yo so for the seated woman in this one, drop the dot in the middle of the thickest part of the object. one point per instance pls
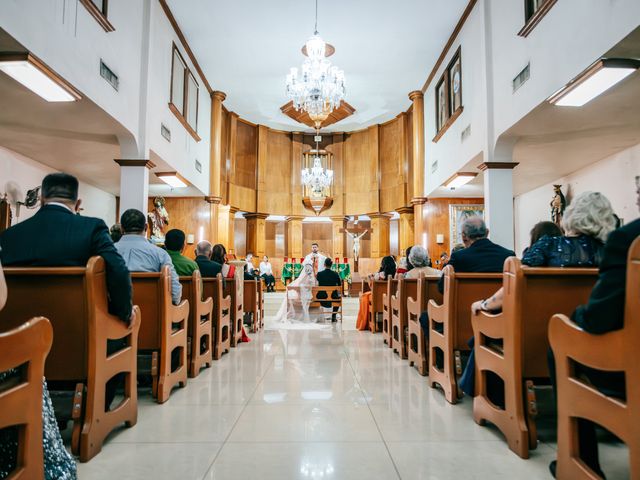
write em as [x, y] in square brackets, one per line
[421, 262]
[219, 255]
[404, 265]
[588, 221]
[58, 463]
[266, 272]
[387, 270]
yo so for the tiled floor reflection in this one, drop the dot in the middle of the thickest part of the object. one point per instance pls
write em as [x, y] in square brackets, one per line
[321, 404]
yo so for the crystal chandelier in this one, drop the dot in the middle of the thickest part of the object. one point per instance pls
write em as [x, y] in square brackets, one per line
[320, 87]
[317, 179]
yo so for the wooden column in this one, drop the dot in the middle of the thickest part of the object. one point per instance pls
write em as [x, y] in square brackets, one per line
[380, 243]
[406, 236]
[226, 224]
[418, 199]
[294, 236]
[212, 233]
[256, 234]
[338, 224]
[216, 162]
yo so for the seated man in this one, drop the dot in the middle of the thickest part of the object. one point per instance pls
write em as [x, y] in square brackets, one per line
[174, 242]
[208, 268]
[603, 313]
[328, 278]
[142, 256]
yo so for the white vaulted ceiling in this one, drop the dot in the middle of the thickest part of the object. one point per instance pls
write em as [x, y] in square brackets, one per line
[386, 49]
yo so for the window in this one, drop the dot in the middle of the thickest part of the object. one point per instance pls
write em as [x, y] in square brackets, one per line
[98, 10]
[184, 94]
[534, 11]
[449, 96]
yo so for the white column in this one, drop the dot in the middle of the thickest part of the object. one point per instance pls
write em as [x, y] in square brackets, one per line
[498, 201]
[134, 184]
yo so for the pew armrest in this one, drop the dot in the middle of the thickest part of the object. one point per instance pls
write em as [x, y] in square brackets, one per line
[117, 329]
[180, 312]
[208, 304]
[602, 352]
[488, 325]
[436, 312]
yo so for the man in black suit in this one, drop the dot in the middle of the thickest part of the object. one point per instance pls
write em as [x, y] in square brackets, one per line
[57, 237]
[208, 268]
[329, 278]
[604, 312]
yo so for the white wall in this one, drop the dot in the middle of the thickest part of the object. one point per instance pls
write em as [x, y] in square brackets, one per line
[614, 177]
[26, 174]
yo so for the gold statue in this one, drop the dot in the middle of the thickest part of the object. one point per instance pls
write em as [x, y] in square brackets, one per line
[158, 218]
[558, 204]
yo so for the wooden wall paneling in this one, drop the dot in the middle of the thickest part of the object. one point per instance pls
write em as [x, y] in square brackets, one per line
[320, 233]
[242, 198]
[274, 239]
[226, 227]
[224, 167]
[361, 172]
[408, 139]
[246, 155]
[295, 194]
[274, 189]
[393, 164]
[379, 235]
[256, 233]
[294, 236]
[338, 225]
[336, 147]
[232, 144]
[436, 219]
[239, 237]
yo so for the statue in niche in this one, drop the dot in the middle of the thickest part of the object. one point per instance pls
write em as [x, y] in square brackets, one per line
[558, 204]
[158, 218]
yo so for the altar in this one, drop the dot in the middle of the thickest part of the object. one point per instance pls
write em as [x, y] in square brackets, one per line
[291, 269]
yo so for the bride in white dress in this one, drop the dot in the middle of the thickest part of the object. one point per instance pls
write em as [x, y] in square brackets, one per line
[295, 311]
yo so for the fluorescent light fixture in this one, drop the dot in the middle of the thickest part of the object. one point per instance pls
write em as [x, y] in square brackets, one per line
[595, 80]
[37, 77]
[459, 179]
[173, 179]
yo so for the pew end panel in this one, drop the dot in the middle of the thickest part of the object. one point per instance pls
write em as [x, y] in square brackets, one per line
[378, 289]
[387, 337]
[199, 331]
[426, 289]
[25, 348]
[399, 327]
[234, 288]
[251, 302]
[213, 287]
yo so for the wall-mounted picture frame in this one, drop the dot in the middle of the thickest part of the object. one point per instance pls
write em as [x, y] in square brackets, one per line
[458, 213]
[442, 110]
[449, 95]
[455, 83]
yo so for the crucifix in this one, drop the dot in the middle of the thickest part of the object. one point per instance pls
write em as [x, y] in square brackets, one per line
[356, 233]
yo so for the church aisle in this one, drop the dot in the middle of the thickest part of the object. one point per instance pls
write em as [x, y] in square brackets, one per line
[316, 404]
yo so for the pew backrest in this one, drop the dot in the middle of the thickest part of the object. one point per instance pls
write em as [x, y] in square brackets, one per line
[152, 293]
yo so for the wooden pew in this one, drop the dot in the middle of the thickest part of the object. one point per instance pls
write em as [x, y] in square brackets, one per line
[392, 286]
[251, 302]
[162, 330]
[318, 298]
[261, 304]
[531, 296]
[417, 353]
[234, 288]
[21, 398]
[615, 351]
[74, 299]
[199, 329]
[450, 324]
[378, 289]
[399, 331]
[213, 287]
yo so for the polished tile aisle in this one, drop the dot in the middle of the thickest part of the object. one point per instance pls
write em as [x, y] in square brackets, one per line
[332, 404]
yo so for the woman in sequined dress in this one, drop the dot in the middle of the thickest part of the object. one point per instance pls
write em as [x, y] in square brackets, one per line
[58, 463]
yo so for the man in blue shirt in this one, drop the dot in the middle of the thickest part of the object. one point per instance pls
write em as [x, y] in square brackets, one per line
[142, 256]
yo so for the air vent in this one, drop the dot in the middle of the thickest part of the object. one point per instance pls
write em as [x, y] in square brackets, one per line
[165, 132]
[434, 166]
[198, 166]
[521, 78]
[108, 75]
[465, 133]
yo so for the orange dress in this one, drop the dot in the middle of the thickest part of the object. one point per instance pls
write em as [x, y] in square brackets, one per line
[362, 322]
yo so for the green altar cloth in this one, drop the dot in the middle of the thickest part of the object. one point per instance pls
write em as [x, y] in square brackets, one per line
[291, 271]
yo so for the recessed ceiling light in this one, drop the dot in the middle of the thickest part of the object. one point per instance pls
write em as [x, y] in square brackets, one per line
[595, 80]
[459, 179]
[173, 179]
[37, 77]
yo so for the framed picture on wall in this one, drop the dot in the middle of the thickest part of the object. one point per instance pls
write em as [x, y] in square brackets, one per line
[455, 83]
[442, 112]
[457, 215]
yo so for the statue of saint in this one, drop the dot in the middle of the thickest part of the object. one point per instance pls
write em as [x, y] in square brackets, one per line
[558, 204]
[158, 218]
[356, 243]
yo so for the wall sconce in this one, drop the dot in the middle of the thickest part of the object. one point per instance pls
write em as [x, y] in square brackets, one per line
[173, 179]
[595, 80]
[439, 238]
[190, 239]
[459, 179]
[37, 77]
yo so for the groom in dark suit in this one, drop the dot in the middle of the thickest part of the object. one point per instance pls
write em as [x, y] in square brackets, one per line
[329, 278]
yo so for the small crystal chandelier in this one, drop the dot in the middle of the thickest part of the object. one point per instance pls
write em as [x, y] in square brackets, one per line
[320, 87]
[317, 180]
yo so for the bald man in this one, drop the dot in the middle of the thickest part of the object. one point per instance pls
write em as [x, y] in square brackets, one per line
[208, 268]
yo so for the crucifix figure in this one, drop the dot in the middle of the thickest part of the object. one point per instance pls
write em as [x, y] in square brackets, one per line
[356, 233]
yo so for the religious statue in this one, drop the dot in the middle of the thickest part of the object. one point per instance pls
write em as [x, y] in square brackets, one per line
[558, 204]
[356, 243]
[158, 219]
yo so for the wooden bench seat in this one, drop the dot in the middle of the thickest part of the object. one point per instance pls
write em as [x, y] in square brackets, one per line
[450, 324]
[378, 288]
[163, 329]
[615, 351]
[74, 299]
[252, 299]
[417, 353]
[199, 331]
[531, 297]
[399, 330]
[25, 347]
[234, 288]
[320, 295]
[392, 287]
[221, 339]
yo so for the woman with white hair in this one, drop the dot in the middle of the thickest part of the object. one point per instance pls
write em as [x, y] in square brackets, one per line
[419, 258]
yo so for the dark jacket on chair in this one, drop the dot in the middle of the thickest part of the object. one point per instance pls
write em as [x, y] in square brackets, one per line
[208, 268]
[482, 256]
[56, 237]
[328, 278]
